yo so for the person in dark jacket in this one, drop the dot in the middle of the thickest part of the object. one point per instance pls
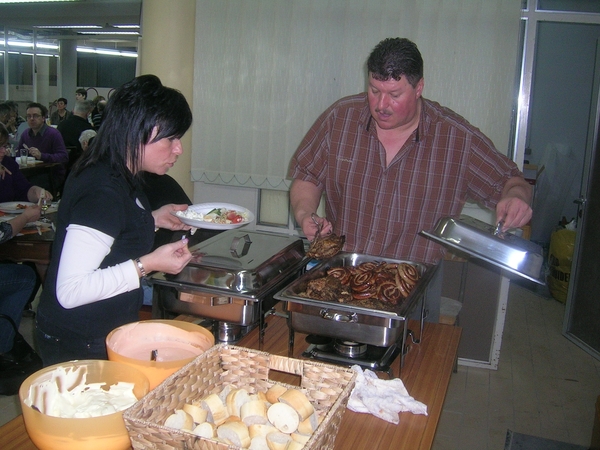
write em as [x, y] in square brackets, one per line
[72, 127]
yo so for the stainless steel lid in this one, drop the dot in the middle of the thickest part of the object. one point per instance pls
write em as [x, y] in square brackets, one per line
[480, 240]
[241, 262]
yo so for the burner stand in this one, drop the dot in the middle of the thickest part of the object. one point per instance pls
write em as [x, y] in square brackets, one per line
[375, 358]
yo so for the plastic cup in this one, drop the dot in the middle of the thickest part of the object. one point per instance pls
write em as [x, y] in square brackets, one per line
[23, 159]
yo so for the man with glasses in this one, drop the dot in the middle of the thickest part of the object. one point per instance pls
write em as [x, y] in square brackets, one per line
[45, 144]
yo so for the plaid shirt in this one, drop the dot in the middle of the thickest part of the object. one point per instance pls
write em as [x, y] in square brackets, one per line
[382, 209]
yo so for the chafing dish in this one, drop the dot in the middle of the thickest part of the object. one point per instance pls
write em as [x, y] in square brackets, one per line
[231, 279]
[483, 241]
[348, 322]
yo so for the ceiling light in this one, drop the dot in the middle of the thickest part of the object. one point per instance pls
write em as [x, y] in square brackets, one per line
[67, 27]
[104, 51]
[20, 44]
[127, 26]
[134, 33]
[35, 1]
[47, 46]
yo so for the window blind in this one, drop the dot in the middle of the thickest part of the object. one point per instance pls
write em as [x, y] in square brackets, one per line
[265, 69]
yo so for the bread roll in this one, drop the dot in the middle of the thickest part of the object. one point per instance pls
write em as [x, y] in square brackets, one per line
[259, 443]
[295, 445]
[278, 440]
[205, 430]
[236, 433]
[274, 392]
[302, 438]
[259, 429]
[225, 392]
[217, 413]
[235, 399]
[283, 417]
[254, 412]
[309, 425]
[198, 414]
[180, 420]
[299, 401]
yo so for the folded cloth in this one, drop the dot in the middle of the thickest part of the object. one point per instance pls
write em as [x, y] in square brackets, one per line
[384, 399]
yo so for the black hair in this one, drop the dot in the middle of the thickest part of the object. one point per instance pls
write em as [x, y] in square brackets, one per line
[394, 57]
[62, 99]
[131, 115]
[3, 132]
[42, 108]
[82, 91]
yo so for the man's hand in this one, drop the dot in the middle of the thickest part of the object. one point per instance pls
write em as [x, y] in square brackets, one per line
[514, 207]
[33, 151]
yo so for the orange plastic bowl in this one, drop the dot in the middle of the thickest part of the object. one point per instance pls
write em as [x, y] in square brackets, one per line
[144, 336]
[94, 433]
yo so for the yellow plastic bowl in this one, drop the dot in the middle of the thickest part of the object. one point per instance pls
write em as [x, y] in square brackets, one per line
[94, 433]
[156, 371]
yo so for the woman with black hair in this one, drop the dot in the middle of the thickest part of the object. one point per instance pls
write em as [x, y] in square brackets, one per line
[105, 227]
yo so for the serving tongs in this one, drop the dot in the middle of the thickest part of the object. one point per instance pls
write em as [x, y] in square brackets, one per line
[319, 225]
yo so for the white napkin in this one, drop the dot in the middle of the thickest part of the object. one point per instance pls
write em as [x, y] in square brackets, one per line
[384, 399]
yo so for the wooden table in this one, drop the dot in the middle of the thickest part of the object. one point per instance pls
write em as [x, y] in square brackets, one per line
[33, 247]
[426, 374]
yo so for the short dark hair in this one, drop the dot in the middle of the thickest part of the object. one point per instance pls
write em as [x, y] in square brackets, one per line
[62, 99]
[131, 115]
[394, 57]
[43, 109]
[3, 132]
[5, 108]
[82, 92]
[13, 105]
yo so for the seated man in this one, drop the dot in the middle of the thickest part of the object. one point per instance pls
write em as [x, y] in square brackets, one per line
[72, 127]
[45, 144]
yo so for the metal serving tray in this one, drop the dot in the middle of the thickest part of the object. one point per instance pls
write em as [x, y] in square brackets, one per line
[290, 293]
[240, 263]
[478, 239]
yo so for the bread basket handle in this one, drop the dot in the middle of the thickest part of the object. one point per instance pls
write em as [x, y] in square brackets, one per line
[287, 365]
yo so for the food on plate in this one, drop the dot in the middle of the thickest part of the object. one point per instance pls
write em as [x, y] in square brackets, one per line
[20, 206]
[323, 247]
[250, 421]
[216, 215]
[371, 284]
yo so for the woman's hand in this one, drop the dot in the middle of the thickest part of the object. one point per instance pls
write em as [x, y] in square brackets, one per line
[164, 219]
[170, 258]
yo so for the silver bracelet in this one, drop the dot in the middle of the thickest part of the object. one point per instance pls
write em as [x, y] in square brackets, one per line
[140, 266]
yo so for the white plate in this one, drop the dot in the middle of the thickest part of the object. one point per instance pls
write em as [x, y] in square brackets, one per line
[204, 208]
[11, 207]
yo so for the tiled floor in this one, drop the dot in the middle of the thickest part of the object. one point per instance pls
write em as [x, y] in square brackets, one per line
[544, 386]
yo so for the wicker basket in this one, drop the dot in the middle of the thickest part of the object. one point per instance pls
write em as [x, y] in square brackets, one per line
[327, 386]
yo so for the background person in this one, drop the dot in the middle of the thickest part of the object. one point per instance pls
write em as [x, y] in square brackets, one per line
[392, 163]
[80, 95]
[72, 128]
[85, 138]
[105, 230]
[46, 144]
[13, 184]
[61, 112]
[17, 282]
